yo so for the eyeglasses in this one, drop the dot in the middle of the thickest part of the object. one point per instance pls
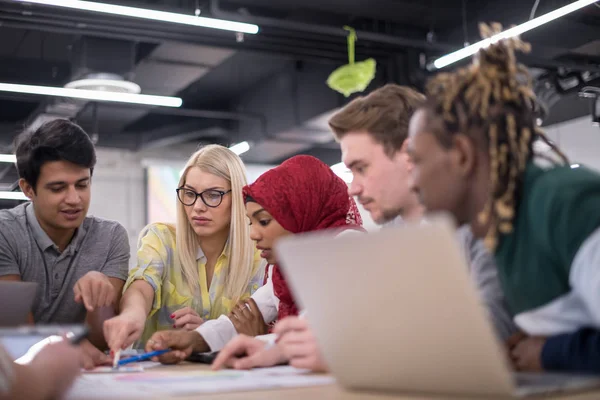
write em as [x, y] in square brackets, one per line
[211, 197]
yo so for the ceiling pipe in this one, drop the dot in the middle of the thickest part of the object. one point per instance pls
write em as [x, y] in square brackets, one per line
[530, 60]
[217, 12]
[284, 25]
[156, 36]
[189, 113]
[533, 62]
[182, 112]
[259, 46]
[334, 47]
[179, 138]
[213, 114]
[325, 33]
[194, 113]
[226, 115]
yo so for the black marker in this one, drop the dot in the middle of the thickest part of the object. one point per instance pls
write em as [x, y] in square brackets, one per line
[76, 338]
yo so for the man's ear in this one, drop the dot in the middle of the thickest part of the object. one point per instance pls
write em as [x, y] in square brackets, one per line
[406, 155]
[404, 147]
[27, 189]
[464, 154]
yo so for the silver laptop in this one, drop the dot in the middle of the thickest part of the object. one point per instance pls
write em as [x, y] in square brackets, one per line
[16, 299]
[396, 311]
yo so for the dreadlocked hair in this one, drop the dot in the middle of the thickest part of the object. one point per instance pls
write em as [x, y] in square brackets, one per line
[492, 99]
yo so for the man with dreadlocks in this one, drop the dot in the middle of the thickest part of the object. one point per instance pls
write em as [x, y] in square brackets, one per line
[472, 146]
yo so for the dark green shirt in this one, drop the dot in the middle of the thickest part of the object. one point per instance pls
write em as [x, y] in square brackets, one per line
[558, 209]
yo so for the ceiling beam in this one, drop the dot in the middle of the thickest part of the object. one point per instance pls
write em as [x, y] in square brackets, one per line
[33, 71]
[328, 155]
[217, 11]
[395, 10]
[188, 132]
[277, 35]
[564, 33]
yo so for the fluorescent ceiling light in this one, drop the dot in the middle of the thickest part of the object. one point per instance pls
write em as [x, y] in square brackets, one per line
[8, 158]
[343, 172]
[515, 31]
[240, 148]
[96, 95]
[155, 15]
[13, 196]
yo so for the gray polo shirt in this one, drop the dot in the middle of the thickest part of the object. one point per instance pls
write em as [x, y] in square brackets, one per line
[26, 250]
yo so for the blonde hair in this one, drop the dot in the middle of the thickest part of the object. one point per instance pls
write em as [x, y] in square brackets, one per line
[224, 163]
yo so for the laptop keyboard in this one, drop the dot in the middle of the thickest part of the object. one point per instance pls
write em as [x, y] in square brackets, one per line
[532, 383]
[527, 379]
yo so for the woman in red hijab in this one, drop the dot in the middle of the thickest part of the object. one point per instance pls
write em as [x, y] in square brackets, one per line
[301, 195]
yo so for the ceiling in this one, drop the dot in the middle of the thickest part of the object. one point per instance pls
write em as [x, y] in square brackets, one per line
[267, 88]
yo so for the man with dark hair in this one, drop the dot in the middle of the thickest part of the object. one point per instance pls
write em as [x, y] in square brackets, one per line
[80, 263]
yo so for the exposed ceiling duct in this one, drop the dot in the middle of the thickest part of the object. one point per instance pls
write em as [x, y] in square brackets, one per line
[268, 89]
[105, 82]
[92, 69]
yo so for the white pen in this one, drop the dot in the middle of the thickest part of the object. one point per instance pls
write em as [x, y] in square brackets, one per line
[117, 359]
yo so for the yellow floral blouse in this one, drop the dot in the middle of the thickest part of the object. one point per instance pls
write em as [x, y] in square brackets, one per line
[157, 265]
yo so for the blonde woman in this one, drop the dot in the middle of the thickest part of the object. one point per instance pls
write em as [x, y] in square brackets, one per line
[198, 269]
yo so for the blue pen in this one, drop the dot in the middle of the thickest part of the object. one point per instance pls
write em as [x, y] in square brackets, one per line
[143, 357]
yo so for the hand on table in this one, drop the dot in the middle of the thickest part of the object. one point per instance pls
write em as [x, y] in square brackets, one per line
[91, 357]
[183, 343]
[526, 355]
[123, 330]
[247, 319]
[299, 345]
[187, 319]
[245, 352]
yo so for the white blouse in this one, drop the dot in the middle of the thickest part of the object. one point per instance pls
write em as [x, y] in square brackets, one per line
[218, 332]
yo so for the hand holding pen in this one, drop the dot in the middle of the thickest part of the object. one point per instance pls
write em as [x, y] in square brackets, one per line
[181, 343]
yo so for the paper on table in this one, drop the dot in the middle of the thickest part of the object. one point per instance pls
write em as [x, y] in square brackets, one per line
[111, 370]
[280, 371]
[159, 383]
[137, 367]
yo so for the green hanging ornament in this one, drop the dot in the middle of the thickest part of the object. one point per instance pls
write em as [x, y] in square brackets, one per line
[352, 77]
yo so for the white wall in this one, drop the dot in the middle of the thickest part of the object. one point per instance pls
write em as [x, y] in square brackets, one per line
[368, 223]
[579, 139]
[118, 191]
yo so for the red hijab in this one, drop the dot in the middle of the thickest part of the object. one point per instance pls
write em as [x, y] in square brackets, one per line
[303, 195]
